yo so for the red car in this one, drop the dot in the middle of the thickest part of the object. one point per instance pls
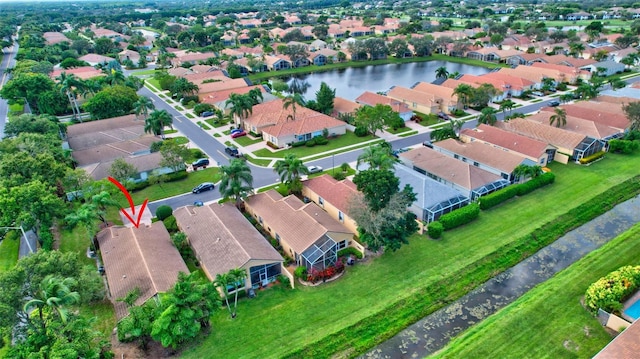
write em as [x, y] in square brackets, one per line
[238, 134]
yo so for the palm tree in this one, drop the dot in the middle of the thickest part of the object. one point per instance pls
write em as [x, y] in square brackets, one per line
[290, 169]
[102, 201]
[464, 93]
[85, 216]
[157, 121]
[223, 281]
[523, 171]
[142, 106]
[115, 77]
[507, 105]
[237, 181]
[53, 294]
[378, 157]
[67, 83]
[565, 97]
[441, 72]
[488, 116]
[241, 106]
[292, 101]
[238, 275]
[576, 48]
[255, 95]
[559, 118]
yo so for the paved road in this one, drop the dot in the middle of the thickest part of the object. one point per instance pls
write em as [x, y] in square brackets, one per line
[8, 61]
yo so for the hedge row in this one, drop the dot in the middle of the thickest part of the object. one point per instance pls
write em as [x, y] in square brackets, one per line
[460, 216]
[170, 177]
[593, 157]
[505, 194]
[349, 251]
[431, 296]
[611, 290]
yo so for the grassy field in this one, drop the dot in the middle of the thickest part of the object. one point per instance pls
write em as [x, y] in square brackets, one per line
[174, 188]
[9, 251]
[549, 320]
[309, 315]
[258, 161]
[246, 141]
[347, 139]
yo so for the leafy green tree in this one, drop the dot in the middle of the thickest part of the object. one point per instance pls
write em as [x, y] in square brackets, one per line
[122, 171]
[295, 53]
[292, 100]
[488, 116]
[559, 118]
[22, 167]
[104, 45]
[157, 121]
[52, 103]
[464, 93]
[138, 324]
[236, 181]
[67, 83]
[377, 157]
[632, 110]
[483, 94]
[373, 117]
[183, 87]
[142, 107]
[112, 101]
[290, 169]
[53, 295]
[186, 311]
[174, 155]
[398, 47]
[255, 95]
[507, 105]
[28, 123]
[29, 86]
[324, 98]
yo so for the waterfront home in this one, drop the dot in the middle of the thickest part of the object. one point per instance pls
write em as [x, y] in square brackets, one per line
[317, 44]
[372, 99]
[502, 87]
[416, 100]
[448, 100]
[305, 232]
[344, 107]
[579, 125]
[276, 63]
[222, 239]
[492, 54]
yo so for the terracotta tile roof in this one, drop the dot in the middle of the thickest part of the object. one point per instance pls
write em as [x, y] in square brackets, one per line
[443, 92]
[298, 224]
[577, 124]
[141, 257]
[222, 238]
[221, 96]
[222, 85]
[453, 83]
[342, 105]
[572, 61]
[194, 57]
[517, 83]
[543, 132]
[505, 139]
[95, 58]
[53, 38]
[625, 346]
[569, 70]
[83, 72]
[338, 193]
[198, 77]
[533, 74]
[198, 69]
[448, 168]
[488, 155]
[497, 83]
[408, 95]
[600, 112]
[372, 99]
[179, 71]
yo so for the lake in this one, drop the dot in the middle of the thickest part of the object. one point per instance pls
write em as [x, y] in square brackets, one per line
[352, 82]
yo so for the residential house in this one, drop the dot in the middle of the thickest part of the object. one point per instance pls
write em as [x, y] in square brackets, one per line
[219, 98]
[433, 199]
[565, 73]
[372, 99]
[276, 63]
[306, 233]
[562, 59]
[335, 197]
[489, 158]
[608, 68]
[323, 57]
[82, 72]
[207, 88]
[601, 112]
[538, 152]
[449, 101]
[513, 85]
[344, 107]
[142, 258]
[52, 38]
[95, 59]
[625, 345]
[579, 125]
[416, 100]
[570, 145]
[317, 44]
[618, 55]
[471, 181]
[229, 38]
[503, 88]
[222, 239]
[130, 55]
[492, 54]
[192, 58]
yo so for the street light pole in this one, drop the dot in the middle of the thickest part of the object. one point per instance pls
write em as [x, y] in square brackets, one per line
[24, 235]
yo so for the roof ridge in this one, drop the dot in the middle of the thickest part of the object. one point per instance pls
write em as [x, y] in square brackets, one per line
[144, 259]
[227, 229]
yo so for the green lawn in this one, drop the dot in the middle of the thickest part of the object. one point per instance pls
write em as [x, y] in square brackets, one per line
[104, 314]
[399, 130]
[174, 188]
[407, 134]
[203, 125]
[189, 115]
[143, 72]
[549, 320]
[9, 248]
[76, 240]
[303, 151]
[246, 140]
[153, 82]
[258, 161]
[370, 289]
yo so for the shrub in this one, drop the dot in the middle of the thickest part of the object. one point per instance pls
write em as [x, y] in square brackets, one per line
[460, 216]
[298, 144]
[360, 131]
[170, 224]
[339, 176]
[561, 86]
[272, 145]
[300, 272]
[163, 212]
[623, 146]
[320, 140]
[137, 186]
[202, 107]
[535, 183]
[349, 251]
[593, 157]
[185, 100]
[311, 142]
[284, 280]
[155, 147]
[253, 134]
[612, 289]
[435, 229]
[497, 197]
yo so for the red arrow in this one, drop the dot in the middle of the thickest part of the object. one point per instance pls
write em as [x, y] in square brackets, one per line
[136, 222]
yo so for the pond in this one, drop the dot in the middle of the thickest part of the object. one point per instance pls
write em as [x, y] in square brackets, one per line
[352, 82]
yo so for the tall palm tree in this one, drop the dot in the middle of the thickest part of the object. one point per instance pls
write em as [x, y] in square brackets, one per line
[293, 100]
[223, 281]
[157, 121]
[378, 157]
[488, 116]
[238, 275]
[142, 106]
[290, 169]
[506, 105]
[565, 97]
[53, 294]
[464, 93]
[441, 72]
[237, 181]
[255, 95]
[115, 77]
[67, 84]
[576, 48]
[559, 118]
[241, 106]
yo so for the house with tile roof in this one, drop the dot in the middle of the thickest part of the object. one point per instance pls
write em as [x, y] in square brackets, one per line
[82, 72]
[624, 346]
[449, 100]
[471, 181]
[276, 63]
[536, 151]
[433, 199]
[503, 89]
[224, 84]
[282, 127]
[342, 107]
[52, 37]
[416, 100]
[219, 98]
[222, 239]
[568, 74]
[143, 258]
[489, 158]
[371, 99]
[335, 198]
[492, 54]
[95, 59]
[192, 58]
[570, 145]
[598, 112]
[579, 125]
[306, 232]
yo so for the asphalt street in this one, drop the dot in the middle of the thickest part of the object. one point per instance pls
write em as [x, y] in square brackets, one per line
[8, 61]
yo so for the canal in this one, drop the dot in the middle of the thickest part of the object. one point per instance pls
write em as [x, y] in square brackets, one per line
[352, 82]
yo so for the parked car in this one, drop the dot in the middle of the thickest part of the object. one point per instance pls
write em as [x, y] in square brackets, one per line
[206, 186]
[554, 103]
[427, 143]
[537, 93]
[198, 203]
[238, 134]
[396, 153]
[232, 151]
[235, 130]
[314, 169]
[202, 162]
[207, 114]
[443, 116]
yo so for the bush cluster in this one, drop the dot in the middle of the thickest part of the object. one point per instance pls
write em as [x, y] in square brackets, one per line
[623, 146]
[460, 216]
[185, 100]
[505, 194]
[272, 145]
[300, 272]
[593, 157]
[435, 229]
[163, 212]
[175, 176]
[535, 183]
[202, 107]
[360, 131]
[298, 144]
[319, 140]
[171, 224]
[349, 251]
[611, 290]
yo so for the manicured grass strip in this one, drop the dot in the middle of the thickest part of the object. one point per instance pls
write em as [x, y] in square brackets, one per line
[155, 85]
[203, 125]
[348, 139]
[536, 100]
[189, 115]
[247, 141]
[9, 248]
[168, 132]
[407, 134]
[549, 320]
[217, 135]
[399, 130]
[258, 161]
[179, 108]
[143, 72]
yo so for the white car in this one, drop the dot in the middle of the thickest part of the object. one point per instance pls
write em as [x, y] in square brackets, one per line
[314, 169]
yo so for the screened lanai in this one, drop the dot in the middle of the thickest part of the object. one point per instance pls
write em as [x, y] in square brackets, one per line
[587, 147]
[434, 212]
[488, 188]
[320, 255]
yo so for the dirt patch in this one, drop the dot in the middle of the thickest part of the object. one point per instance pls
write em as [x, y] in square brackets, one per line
[570, 345]
[131, 350]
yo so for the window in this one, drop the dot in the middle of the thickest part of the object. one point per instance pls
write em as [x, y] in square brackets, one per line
[340, 216]
[278, 237]
[456, 157]
[342, 245]
[321, 201]
[476, 164]
[260, 219]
